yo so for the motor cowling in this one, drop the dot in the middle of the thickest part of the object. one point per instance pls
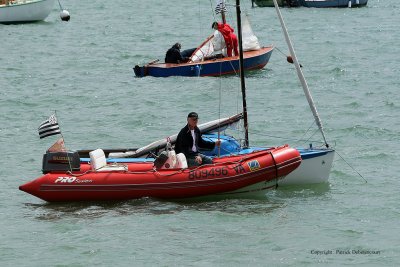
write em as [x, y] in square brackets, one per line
[60, 161]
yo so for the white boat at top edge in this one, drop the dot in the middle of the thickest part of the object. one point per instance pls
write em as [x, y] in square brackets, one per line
[19, 11]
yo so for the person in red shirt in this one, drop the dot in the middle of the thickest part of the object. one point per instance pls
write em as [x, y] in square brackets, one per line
[230, 38]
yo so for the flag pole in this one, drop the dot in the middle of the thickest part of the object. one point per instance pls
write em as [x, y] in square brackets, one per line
[62, 136]
[63, 140]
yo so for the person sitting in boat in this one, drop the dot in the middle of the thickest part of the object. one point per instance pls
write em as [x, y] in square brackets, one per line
[189, 141]
[230, 38]
[174, 55]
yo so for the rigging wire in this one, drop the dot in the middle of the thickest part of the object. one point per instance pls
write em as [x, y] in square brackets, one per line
[199, 20]
[348, 164]
[212, 10]
[280, 51]
[290, 60]
[219, 106]
[287, 139]
[308, 131]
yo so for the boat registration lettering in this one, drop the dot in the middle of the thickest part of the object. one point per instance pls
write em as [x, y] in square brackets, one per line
[239, 169]
[208, 173]
[70, 180]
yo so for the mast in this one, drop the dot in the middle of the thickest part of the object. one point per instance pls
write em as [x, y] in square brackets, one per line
[241, 73]
[221, 8]
[301, 75]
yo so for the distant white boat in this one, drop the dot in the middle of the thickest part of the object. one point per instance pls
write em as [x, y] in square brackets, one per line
[19, 11]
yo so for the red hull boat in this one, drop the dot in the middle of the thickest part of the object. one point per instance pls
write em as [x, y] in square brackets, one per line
[227, 175]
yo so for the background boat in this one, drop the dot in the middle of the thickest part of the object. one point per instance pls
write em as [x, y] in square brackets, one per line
[20, 11]
[204, 62]
[268, 3]
[312, 3]
[215, 67]
[333, 3]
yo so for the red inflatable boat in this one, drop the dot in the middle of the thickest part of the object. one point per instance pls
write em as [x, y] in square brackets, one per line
[240, 174]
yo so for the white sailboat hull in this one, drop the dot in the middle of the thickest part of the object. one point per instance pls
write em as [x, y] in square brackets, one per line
[312, 170]
[26, 11]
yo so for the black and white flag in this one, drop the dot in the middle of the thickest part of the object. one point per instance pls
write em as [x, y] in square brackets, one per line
[49, 127]
[221, 7]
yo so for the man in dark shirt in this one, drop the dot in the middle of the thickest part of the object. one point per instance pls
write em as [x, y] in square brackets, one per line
[174, 55]
[189, 141]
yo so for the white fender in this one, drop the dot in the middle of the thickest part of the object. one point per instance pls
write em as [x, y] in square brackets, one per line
[181, 162]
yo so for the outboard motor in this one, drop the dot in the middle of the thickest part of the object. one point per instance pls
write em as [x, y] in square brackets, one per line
[61, 161]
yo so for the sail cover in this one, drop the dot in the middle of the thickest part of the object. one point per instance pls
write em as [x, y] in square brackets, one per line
[215, 43]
